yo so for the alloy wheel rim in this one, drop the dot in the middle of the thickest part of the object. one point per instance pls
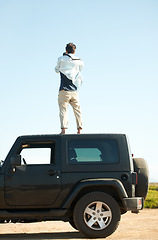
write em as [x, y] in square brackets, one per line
[97, 215]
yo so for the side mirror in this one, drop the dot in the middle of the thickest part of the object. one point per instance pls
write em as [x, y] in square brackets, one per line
[16, 160]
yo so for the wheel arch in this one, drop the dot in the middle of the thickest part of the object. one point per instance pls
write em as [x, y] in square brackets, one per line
[112, 187]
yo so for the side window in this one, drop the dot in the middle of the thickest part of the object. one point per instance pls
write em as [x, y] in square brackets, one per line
[93, 151]
[85, 154]
[38, 154]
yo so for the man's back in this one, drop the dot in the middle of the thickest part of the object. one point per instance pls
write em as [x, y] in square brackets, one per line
[70, 66]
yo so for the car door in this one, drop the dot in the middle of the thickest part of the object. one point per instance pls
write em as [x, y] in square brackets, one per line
[36, 180]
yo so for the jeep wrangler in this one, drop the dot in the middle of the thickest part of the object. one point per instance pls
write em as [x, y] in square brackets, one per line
[88, 180]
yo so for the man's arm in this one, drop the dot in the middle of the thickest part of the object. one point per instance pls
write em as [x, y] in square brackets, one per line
[81, 66]
[57, 66]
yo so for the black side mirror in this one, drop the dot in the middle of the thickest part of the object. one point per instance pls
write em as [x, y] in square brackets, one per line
[16, 160]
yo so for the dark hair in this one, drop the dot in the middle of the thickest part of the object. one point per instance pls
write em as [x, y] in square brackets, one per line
[70, 48]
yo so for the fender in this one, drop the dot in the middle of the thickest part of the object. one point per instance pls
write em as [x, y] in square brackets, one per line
[113, 183]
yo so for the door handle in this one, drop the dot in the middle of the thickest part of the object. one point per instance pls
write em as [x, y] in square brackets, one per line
[52, 172]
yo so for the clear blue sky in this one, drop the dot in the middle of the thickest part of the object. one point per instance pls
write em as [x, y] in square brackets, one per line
[118, 42]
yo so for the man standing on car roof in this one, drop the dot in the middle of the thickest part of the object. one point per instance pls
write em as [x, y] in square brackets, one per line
[70, 68]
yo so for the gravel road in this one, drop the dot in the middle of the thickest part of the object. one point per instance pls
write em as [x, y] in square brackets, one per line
[142, 226]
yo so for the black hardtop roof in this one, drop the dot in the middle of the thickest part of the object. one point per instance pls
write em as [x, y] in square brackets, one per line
[51, 136]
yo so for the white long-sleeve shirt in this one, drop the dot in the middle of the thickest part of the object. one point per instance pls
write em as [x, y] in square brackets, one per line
[71, 67]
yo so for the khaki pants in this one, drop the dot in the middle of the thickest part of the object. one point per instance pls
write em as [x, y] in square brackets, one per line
[64, 99]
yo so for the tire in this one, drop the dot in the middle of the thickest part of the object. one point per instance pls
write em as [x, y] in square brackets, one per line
[97, 215]
[141, 167]
[71, 221]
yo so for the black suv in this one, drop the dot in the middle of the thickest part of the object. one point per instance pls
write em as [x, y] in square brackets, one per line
[88, 180]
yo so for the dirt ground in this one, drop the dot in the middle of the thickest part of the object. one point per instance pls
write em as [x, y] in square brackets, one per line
[142, 226]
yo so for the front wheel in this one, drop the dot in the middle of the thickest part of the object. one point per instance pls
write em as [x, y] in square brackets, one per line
[97, 214]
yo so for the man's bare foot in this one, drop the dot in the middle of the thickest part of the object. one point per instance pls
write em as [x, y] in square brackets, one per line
[79, 130]
[63, 131]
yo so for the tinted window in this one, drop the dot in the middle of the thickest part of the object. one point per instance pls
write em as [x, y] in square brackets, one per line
[93, 151]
